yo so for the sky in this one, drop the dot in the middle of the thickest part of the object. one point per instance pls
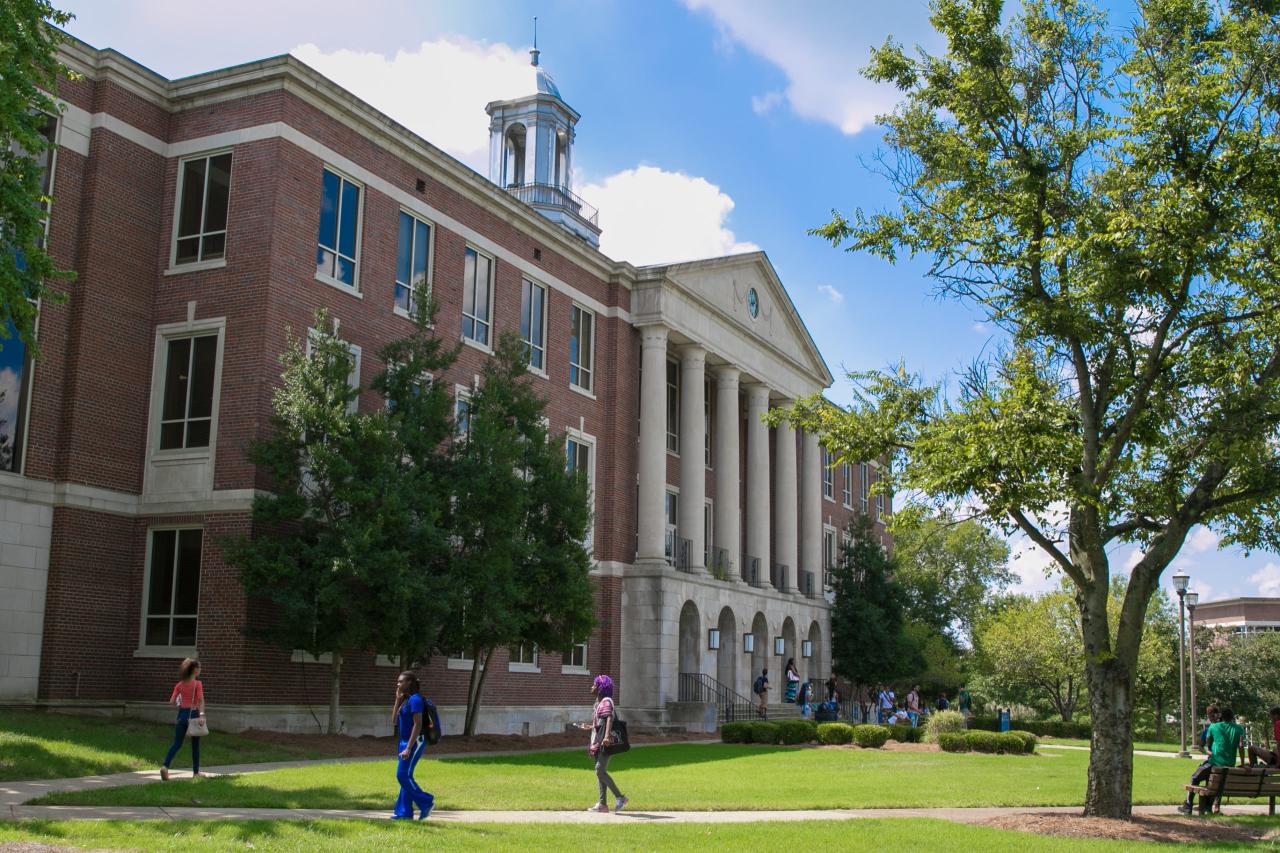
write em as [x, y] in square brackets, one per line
[708, 127]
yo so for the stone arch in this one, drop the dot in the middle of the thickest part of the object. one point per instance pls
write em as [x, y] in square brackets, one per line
[760, 655]
[816, 667]
[513, 144]
[727, 659]
[690, 633]
[791, 649]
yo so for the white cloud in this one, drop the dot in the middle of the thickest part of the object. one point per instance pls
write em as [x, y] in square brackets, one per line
[821, 48]
[1200, 540]
[831, 293]
[766, 103]
[438, 91]
[649, 215]
[1037, 572]
[1268, 580]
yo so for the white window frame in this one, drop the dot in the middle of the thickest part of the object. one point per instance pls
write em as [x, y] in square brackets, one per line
[333, 281]
[522, 666]
[353, 378]
[672, 390]
[828, 476]
[574, 669]
[846, 492]
[487, 345]
[708, 528]
[165, 334]
[546, 301]
[217, 263]
[590, 367]
[589, 441]
[829, 557]
[143, 650]
[463, 663]
[864, 487]
[880, 503]
[431, 260]
[462, 394]
[671, 529]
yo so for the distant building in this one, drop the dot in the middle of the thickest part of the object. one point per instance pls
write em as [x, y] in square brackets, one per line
[1240, 615]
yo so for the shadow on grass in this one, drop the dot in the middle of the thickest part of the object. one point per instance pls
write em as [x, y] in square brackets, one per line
[646, 758]
[25, 758]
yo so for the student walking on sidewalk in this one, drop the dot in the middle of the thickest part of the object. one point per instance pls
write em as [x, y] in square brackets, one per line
[602, 719]
[410, 717]
[188, 693]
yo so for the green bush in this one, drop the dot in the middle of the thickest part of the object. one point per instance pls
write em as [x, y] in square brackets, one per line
[871, 737]
[1010, 743]
[906, 734]
[985, 724]
[736, 733]
[1057, 728]
[764, 732]
[1029, 740]
[943, 721]
[953, 742]
[791, 732]
[981, 741]
[835, 733]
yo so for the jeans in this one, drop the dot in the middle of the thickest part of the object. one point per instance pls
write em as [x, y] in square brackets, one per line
[602, 776]
[1201, 775]
[410, 794]
[179, 735]
[915, 718]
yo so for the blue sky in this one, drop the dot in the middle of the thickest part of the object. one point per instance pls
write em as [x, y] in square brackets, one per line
[708, 126]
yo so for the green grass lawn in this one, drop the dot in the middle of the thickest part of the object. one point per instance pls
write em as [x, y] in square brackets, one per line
[678, 776]
[618, 834]
[36, 745]
[1146, 745]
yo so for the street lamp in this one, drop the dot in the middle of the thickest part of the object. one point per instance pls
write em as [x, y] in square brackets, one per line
[1192, 599]
[1180, 581]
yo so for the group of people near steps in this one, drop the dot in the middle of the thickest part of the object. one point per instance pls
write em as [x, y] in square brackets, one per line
[417, 725]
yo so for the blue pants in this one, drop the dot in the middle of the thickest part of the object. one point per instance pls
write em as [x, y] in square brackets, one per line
[179, 735]
[915, 718]
[410, 794]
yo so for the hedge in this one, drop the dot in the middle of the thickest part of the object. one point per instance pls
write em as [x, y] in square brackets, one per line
[981, 741]
[1010, 743]
[953, 742]
[944, 721]
[1041, 728]
[1029, 740]
[906, 734]
[835, 733]
[764, 732]
[791, 732]
[736, 732]
[871, 737]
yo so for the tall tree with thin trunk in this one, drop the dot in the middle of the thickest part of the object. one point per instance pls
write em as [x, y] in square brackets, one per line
[1108, 195]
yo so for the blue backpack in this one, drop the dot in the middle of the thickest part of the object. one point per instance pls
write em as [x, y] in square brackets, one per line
[433, 732]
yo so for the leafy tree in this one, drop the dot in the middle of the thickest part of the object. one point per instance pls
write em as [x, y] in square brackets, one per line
[1240, 671]
[948, 569]
[29, 73]
[942, 662]
[1108, 197]
[1034, 645]
[868, 642]
[518, 519]
[328, 552]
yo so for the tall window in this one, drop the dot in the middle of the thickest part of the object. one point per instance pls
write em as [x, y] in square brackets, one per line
[828, 554]
[477, 283]
[828, 476]
[578, 458]
[673, 517]
[879, 506]
[576, 657]
[846, 476]
[204, 185]
[708, 515]
[533, 323]
[673, 407]
[581, 347]
[706, 433]
[864, 487]
[337, 254]
[462, 413]
[186, 413]
[412, 259]
[173, 588]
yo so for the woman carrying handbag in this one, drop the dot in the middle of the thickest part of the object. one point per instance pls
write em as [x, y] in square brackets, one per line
[605, 741]
[188, 693]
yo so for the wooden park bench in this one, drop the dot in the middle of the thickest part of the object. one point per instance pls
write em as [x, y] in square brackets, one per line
[1249, 782]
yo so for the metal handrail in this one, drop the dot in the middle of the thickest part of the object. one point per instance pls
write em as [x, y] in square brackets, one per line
[721, 567]
[731, 705]
[555, 196]
[680, 559]
[806, 584]
[780, 577]
[751, 572]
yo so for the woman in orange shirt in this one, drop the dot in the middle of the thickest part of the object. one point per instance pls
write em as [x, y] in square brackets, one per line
[188, 693]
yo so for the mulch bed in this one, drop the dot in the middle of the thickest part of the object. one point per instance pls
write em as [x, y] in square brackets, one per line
[890, 746]
[344, 746]
[1167, 830]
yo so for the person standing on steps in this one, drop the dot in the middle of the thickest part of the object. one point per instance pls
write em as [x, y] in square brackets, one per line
[761, 689]
[792, 687]
[409, 716]
[601, 726]
[188, 694]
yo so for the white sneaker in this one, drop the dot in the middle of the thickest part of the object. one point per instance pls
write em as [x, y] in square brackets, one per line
[620, 804]
[599, 808]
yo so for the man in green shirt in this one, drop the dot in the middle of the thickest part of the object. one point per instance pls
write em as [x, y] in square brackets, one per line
[1224, 740]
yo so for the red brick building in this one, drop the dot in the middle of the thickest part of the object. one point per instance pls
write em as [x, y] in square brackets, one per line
[207, 216]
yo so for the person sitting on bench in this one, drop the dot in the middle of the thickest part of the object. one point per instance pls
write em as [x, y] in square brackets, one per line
[1223, 741]
[1268, 757]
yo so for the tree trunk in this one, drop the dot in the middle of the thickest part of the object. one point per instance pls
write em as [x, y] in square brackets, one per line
[478, 672]
[1110, 789]
[335, 691]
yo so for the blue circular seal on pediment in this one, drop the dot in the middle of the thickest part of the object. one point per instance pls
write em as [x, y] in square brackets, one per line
[753, 303]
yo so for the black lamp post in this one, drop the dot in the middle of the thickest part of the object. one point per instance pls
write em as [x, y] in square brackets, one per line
[1192, 599]
[1180, 581]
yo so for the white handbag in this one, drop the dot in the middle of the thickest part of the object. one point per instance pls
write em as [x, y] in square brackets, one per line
[197, 726]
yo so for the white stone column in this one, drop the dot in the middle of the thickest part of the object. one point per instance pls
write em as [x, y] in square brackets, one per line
[693, 466]
[724, 459]
[785, 510]
[811, 509]
[652, 458]
[757, 478]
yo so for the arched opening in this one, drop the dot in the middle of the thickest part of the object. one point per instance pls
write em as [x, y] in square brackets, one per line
[791, 652]
[816, 666]
[760, 654]
[690, 633]
[727, 659]
[562, 160]
[513, 158]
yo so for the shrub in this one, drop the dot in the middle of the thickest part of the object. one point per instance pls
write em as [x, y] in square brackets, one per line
[953, 742]
[871, 737]
[792, 732]
[1029, 741]
[906, 734]
[1010, 743]
[833, 733]
[944, 721]
[736, 733]
[764, 732]
[1057, 728]
[986, 724]
[981, 741]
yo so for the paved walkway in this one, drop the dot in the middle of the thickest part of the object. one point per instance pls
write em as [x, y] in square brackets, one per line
[1149, 752]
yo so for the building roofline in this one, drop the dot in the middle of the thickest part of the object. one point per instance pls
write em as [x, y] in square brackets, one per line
[1238, 600]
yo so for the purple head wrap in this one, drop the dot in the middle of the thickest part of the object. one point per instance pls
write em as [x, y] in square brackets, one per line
[603, 686]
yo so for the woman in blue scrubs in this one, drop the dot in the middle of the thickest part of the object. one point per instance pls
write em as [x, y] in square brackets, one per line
[409, 717]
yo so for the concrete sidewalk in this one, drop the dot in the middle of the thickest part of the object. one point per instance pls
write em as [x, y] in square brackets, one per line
[636, 815]
[1148, 752]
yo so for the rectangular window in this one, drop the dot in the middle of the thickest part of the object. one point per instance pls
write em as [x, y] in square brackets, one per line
[337, 255]
[581, 347]
[708, 517]
[533, 323]
[706, 435]
[353, 376]
[413, 262]
[864, 487]
[462, 412]
[673, 407]
[525, 654]
[186, 414]
[880, 506]
[673, 518]
[578, 458]
[828, 476]
[846, 476]
[828, 549]
[576, 657]
[204, 188]
[173, 588]
[477, 288]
